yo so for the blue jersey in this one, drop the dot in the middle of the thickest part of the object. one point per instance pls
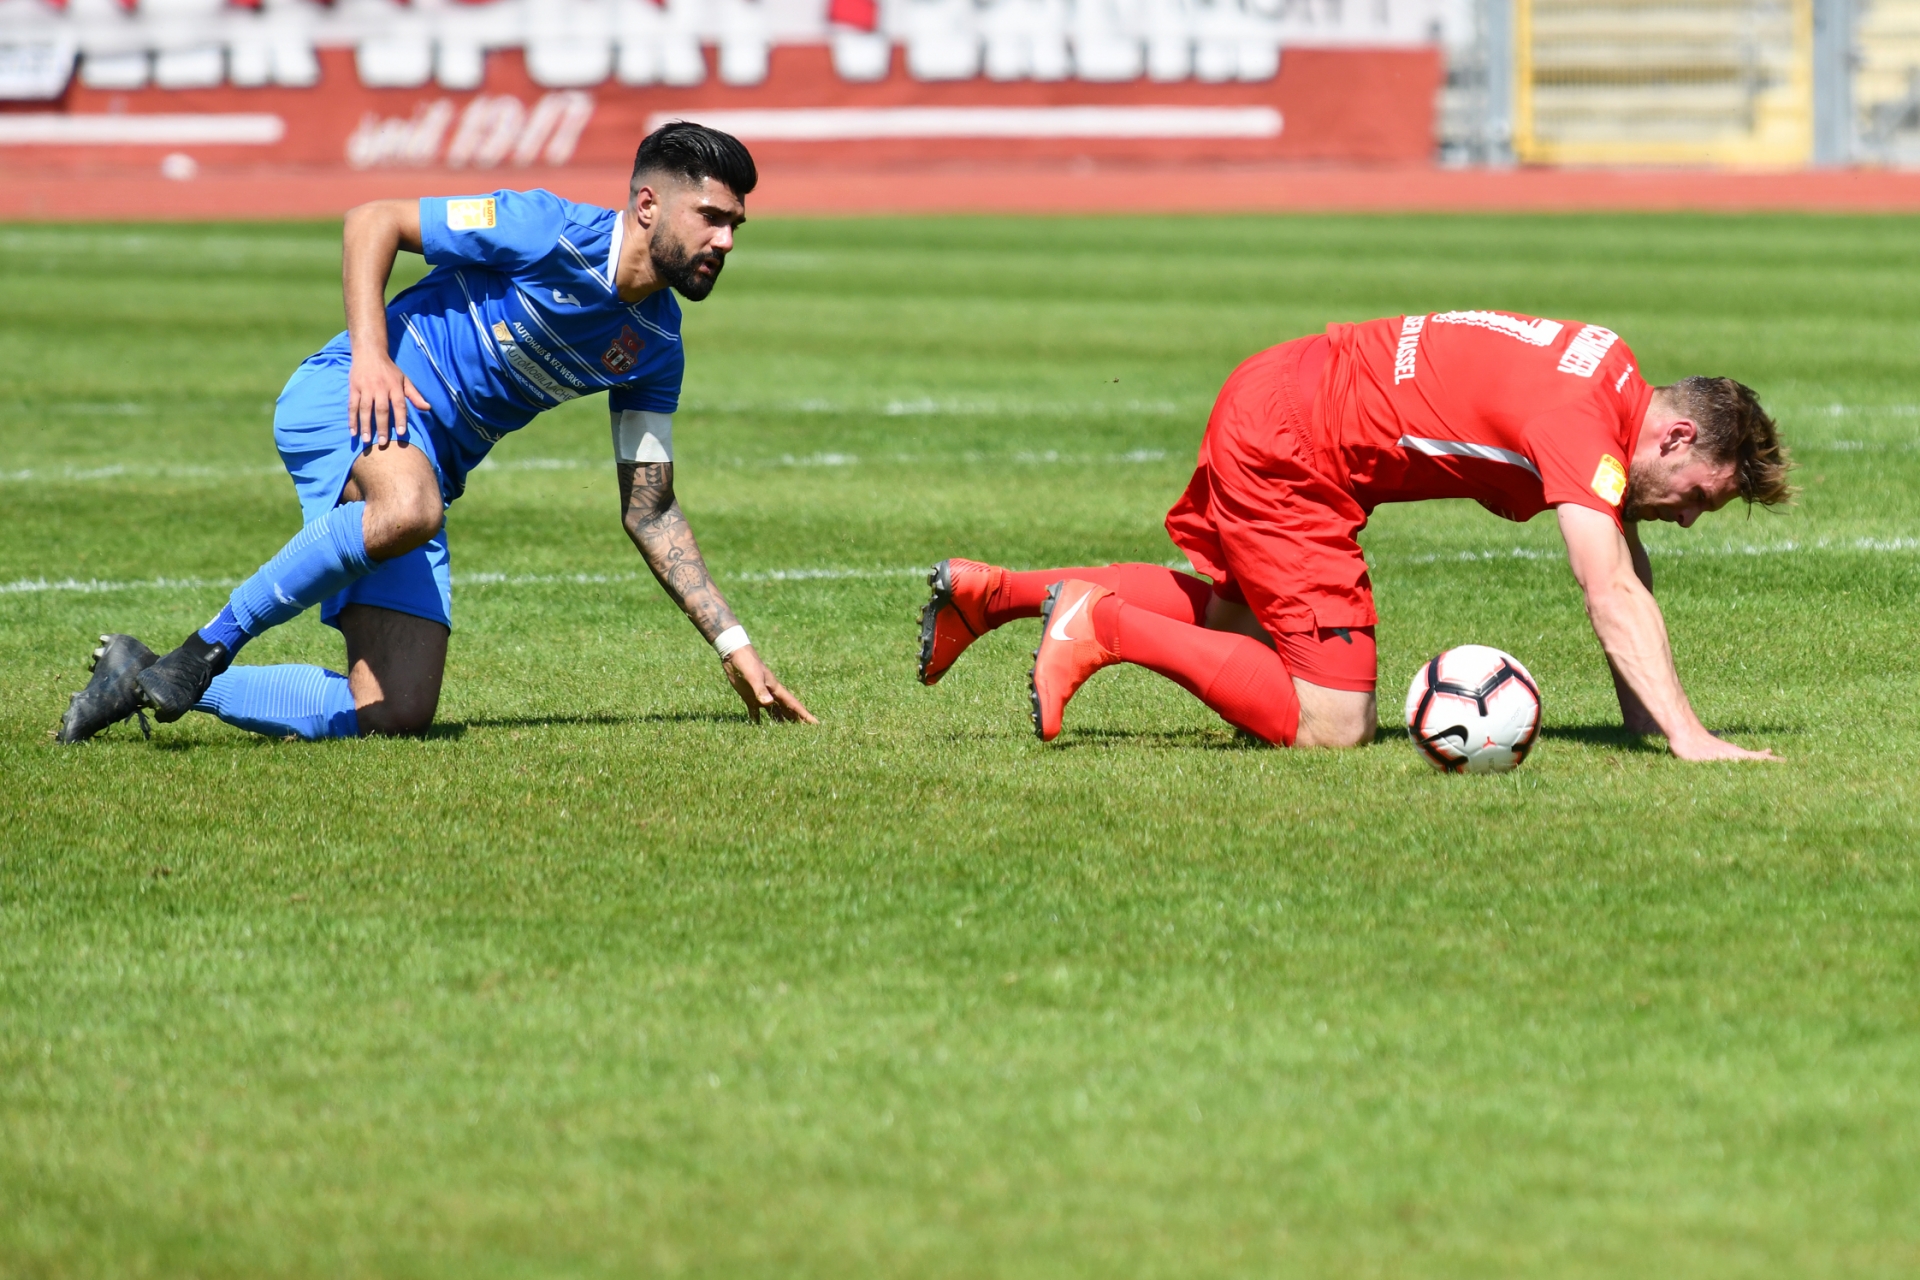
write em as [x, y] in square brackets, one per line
[520, 313]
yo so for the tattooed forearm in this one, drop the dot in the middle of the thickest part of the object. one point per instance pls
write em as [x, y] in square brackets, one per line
[653, 520]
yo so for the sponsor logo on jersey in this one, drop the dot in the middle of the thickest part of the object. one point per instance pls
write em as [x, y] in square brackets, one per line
[1588, 348]
[1538, 333]
[525, 365]
[566, 298]
[559, 366]
[470, 215]
[1610, 480]
[1621, 381]
[1403, 354]
[624, 353]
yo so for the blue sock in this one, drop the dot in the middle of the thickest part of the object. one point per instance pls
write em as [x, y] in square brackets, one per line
[326, 556]
[225, 629]
[307, 702]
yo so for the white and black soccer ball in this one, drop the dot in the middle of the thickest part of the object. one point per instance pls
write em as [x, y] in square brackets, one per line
[1473, 709]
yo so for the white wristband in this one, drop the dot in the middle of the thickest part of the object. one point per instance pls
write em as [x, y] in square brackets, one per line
[733, 638]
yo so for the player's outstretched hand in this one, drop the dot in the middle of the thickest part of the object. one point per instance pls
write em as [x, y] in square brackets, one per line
[1708, 747]
[760, 691]
[377, 398]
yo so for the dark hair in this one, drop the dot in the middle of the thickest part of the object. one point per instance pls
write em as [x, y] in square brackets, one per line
[695, 152]
[1734, 428]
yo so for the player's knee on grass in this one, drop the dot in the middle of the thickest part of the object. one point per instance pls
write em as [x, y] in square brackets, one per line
[1334, 717]
[398, 716]
[396, 662]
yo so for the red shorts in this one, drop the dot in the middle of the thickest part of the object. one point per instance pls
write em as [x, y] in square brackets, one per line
[1264, 519]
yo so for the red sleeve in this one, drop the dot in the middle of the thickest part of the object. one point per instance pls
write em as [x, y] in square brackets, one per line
[1581, 460]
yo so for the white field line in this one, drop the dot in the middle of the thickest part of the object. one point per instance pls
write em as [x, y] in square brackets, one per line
[124, 471]
[103, 586]
[100, 586]
[118, 471]
[1790, 547]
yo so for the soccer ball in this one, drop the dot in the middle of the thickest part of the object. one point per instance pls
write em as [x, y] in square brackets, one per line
[1473, 710]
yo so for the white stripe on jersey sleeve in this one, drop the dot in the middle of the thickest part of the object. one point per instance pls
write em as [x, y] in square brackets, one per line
[1467, 449]
[640, 436]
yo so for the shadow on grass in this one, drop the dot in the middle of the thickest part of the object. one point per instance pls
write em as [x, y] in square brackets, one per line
[455, 730]
[1183, 739]
[1604, 735]
[458, 728]
[1617, 737]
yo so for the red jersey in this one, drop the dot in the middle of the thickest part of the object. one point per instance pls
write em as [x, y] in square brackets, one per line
[1517, 413]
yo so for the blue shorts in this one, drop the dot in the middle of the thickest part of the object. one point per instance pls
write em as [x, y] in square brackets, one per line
[310, 430]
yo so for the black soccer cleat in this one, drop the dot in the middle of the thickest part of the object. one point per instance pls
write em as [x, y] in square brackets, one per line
[173, 684]
[112, 695]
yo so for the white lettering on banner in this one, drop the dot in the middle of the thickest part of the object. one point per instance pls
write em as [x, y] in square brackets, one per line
[1403, 354]
[1538, 333]
[492, 128]
[412, 140]
[865, 124]
[1588, 348]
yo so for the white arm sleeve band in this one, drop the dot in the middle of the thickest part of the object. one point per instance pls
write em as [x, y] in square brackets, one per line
[639, 436]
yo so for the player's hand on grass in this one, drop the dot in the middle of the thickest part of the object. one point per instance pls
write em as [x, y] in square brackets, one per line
[759, 689]
[1705, 746]
[377, 398]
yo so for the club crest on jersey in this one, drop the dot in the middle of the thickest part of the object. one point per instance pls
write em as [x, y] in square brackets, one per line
[624, 353]
[1610, 480]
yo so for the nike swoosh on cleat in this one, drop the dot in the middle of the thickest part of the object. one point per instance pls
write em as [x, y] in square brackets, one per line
[1059, 629]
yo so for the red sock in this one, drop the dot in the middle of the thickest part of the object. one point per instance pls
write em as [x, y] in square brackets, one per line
[1152, 587]
[1246, 683]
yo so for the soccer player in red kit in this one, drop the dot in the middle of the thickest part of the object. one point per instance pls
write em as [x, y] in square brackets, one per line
[1307, 438]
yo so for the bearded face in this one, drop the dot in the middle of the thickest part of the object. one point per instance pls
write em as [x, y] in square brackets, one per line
[692, 272]
[1678, 489]
[1643, 481]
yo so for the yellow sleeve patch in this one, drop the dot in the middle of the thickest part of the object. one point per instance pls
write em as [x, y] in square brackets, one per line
[1610, 480]
[470, 215]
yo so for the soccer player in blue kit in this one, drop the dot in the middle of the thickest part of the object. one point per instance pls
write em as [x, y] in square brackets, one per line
[533, 301]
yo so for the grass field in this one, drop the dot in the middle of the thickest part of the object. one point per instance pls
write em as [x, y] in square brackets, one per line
[601, 980]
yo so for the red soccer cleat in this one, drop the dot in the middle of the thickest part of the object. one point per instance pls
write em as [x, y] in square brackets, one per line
[1069, 652]
[956, 615]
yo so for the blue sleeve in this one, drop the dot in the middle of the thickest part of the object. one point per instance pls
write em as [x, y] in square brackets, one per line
[508, 230]
[659, 394]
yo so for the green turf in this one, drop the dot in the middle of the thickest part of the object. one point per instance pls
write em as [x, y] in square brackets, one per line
[600, 980]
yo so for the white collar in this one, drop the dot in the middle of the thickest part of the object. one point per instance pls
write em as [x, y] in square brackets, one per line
[613, 252]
